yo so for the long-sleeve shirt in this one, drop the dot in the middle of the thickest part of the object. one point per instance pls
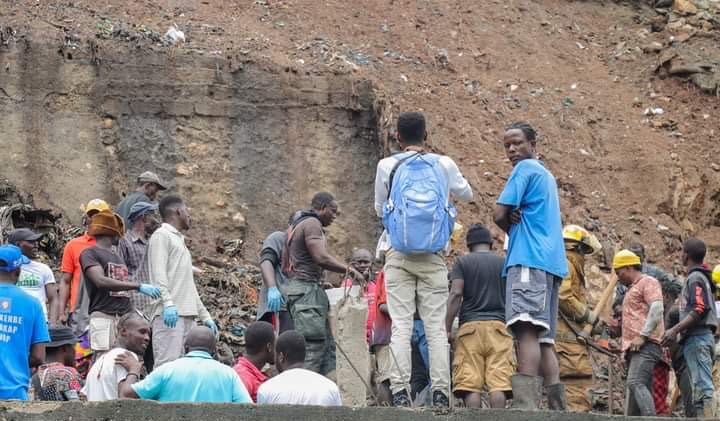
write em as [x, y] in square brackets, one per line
[697, 298]
[573, 300]
[170, 267]
[457, 184]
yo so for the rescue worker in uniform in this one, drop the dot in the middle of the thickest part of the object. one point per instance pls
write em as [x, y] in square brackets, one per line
[572, 352]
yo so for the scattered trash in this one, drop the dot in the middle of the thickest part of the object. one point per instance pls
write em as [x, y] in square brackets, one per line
[653, 111]
[173, 36]
[568, 102]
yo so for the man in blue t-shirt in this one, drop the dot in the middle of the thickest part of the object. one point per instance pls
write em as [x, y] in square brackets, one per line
[528, 210]
[23, 328]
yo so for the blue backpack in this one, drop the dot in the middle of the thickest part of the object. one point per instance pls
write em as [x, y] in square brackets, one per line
[418, 215]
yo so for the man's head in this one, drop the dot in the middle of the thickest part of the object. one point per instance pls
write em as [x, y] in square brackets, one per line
[94, 206]
[201, 338]
[174, 211]
[627, 267]
[150, 184]
[478, 237]
[411, 130]
[694, 251]
[107, 227]
[638, 249]
[325, 207]
[61, 348]
[133, 333]
[671, 291]
[143, 216]
[289, 350]
[361, 260]
[27, 240]
[11, 260]
[260, 341]
[580, 240]
[519, 142]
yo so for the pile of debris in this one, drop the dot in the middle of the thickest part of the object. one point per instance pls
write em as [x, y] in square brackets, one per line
[689, 47]
[229, 289]
[18, 211]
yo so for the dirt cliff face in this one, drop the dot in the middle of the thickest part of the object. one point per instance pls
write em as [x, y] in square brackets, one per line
[587, 75]
[246, 145]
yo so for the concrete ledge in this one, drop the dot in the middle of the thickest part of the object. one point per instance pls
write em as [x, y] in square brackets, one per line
[131, 410]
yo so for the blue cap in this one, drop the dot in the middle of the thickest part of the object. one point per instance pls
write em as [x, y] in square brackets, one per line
[140, 209]
[11, 258]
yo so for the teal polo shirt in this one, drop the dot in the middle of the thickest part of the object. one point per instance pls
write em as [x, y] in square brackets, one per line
[195, 377]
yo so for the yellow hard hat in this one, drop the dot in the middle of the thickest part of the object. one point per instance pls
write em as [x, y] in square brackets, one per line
[625, 258]
[583, 236]
[716, 275]
[96, 205]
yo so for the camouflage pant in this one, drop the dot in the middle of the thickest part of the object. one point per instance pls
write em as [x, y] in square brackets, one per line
[308, 305]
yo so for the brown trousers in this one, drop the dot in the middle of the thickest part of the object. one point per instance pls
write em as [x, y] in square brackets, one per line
[576, 374]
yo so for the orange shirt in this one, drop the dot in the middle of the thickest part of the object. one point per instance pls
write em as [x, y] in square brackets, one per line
[71, 263]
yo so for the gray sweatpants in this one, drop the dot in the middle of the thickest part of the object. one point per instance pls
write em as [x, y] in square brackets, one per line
[169, 342]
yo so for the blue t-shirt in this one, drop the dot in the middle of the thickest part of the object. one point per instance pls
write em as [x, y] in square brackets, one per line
[195, 377]
[22, 324]
[537, 241]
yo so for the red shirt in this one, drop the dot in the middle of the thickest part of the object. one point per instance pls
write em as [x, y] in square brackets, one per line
[251, 377]
[382, 325]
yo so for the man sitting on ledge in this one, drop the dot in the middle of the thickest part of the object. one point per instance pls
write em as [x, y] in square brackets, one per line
[194, 377]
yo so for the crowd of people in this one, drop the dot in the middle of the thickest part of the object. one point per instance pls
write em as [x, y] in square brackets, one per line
[508, 329]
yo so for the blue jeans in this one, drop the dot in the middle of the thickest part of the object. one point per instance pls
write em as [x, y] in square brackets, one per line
[699, 353]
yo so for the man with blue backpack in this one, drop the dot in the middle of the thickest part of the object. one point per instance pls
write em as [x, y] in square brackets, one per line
[412, 190]
[528, 210]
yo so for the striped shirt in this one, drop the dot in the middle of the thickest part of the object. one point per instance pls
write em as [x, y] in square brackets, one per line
[133, 249]
[170, 267]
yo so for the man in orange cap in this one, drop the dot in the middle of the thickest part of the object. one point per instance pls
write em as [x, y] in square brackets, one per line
[70, 285]
[107, 282]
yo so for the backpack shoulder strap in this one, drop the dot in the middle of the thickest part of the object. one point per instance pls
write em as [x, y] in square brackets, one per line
[395, 168]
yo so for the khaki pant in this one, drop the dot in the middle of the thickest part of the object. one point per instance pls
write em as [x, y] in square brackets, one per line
[575, 374]
[417, 282]
[169, 342]
[483, 356]
[103, 331]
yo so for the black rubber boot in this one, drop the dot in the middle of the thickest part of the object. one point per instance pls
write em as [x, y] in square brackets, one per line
[401, 399]
[556, 397]
[525, 392]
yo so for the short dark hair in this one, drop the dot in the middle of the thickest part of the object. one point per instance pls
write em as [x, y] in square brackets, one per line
[127, 317]
[637, 248]
[167, 203]
[695, 250]
[526, 128]
[291, 343]
[411, 127]
[321, 199]
[257, 336]
[671, 289]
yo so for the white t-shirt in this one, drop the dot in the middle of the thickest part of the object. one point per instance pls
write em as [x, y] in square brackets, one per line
[102, 380]
[298, 386]
[33, 278]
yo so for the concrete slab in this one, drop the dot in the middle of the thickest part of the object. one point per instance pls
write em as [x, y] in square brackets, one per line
[129, 410]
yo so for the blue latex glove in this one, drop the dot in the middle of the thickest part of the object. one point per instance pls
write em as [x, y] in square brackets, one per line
[275, 299]
[149, 290]
[209, 323]
[170, 316]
